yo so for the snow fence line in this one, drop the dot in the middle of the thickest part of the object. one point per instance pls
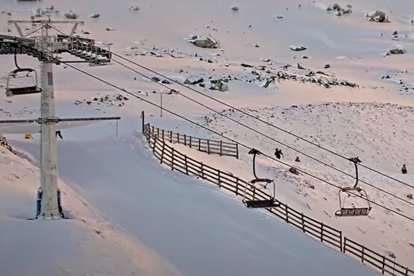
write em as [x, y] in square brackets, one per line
[318, 230]
[219, 147]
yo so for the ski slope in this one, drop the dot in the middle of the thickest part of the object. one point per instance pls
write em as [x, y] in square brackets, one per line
[158, 219]
[194, 226]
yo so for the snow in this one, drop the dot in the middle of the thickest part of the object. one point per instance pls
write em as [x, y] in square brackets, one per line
[182, 225]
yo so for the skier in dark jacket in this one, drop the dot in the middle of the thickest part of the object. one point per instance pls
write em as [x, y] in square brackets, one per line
[404, 169]
[278, 153]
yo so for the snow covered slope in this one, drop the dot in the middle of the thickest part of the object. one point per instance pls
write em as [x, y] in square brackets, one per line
[265, 77]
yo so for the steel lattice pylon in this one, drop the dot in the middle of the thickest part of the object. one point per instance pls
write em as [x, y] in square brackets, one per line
[46, 49]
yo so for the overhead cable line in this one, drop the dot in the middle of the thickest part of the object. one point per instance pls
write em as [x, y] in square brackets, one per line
[261, 120]
[265, 135]
[229, 138]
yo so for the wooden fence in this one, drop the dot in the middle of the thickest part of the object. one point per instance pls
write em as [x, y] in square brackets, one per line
[322, 232]
[372, 258]
[205, 145]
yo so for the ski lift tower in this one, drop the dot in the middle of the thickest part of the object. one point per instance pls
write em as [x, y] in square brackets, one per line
[46, 48]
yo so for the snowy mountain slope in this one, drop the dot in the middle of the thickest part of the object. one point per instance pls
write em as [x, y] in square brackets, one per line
[377, 133]
[84, 244]
[352, 46]
[196, 227]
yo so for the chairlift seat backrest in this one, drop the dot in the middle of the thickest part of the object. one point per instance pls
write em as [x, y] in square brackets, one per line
[266, 203]
[352, 212]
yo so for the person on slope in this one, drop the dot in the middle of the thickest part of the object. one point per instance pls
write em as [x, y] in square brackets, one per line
[278, 153]
[404, 169]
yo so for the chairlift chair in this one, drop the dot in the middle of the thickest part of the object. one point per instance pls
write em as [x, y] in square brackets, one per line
[353, 211]
[257, 185]
[266, 199]
[28, 86]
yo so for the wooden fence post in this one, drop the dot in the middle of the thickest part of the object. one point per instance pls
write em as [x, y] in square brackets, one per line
[363, 254]
[208, 146]
[287, 213]
[170, 136]
[340, 241]
[199, 144]
[221, 148]
[163, 135]
[185, 140]
[237, 150]
[178, 137]
[383, 265]
[322, 225]
[237, 186]
[143, 120]
[162, 152]
[202, 171]
[345, 239]
[186, 164]
[190, 141]
[172, 159]
[303, 223]
[219, 179]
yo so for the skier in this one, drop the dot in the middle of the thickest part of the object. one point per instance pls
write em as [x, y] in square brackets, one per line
[59, 134]
[278, 153]
[404, 169]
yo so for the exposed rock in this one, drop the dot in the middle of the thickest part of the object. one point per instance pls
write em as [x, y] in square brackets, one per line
[71, 15]
[4, 143]
[297, 48]
[396, 51]
[301, 67]
[95, 15]
[246, 65]
[340, 10]
[204, 42]
[193, 80]
[378, 16]
[218, 85]
[410, 196]
[235, 8]
[293, 170]
[327, 66]
[134, 8]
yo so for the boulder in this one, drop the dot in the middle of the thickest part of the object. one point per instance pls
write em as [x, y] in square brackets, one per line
[396, 51]
[205, 42]
[297, 48]
[71, 15]
[378, 16]
[218, 85]
[193, 80]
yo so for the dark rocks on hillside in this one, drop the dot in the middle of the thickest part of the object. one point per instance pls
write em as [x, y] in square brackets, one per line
[297, 48]
[204, 42]
[378, 16]
[218, 85]
[340, 10]
[193, 80]
[410, 196]
[71, 15]
[396, 51]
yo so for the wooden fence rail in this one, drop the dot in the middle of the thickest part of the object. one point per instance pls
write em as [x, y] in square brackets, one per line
[224, 180]
[205, 145]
